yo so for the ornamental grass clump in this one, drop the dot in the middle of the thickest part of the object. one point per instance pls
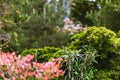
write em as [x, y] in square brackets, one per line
[78, 65]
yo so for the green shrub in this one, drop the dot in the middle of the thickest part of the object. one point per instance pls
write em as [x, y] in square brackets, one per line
[108, 48]
[107, 75]
[99, 38]
[43, 54]
[118, 33]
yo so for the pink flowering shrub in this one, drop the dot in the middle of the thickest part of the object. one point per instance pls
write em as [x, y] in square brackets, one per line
[14, 67]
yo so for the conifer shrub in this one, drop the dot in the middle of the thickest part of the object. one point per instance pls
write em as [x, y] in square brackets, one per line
[107, 45]
[43, 54]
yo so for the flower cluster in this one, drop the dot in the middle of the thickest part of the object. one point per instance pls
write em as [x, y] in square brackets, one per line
[14, 67]
[71, 27]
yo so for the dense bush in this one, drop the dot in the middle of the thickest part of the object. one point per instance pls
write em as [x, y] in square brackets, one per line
[14, 67]
[85, 56]
[99, 38]
[107, 45]
[43, 54]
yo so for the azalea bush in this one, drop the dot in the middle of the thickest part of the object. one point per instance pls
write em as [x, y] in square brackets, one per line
[19, 67]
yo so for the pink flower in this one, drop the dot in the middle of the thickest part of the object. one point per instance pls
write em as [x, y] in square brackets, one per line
[29, 57]
[13, 78]
[6, 79]
[38, 76]
[46, 78]
[2, 74]
[22, 77]
[20, 67]
[16, 71]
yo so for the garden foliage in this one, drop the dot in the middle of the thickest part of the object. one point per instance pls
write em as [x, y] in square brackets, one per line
[107, 45]
[78, 64]
[43, 54]
[32, 24]
[79, 9]
[36, 24]
[108, 15]
[14, 67]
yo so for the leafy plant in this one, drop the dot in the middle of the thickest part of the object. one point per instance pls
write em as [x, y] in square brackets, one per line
[78, 64]
[99, 38]
[18, 67]
[43, 54]
[107, 45]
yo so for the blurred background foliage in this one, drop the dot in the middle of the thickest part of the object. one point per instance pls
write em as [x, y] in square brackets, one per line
[107, 16]
[32, 24]
[97, 12]
[79, 9]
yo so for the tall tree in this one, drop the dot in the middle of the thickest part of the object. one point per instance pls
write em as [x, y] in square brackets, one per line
[34, 22]
[108, 15]
[79, 9]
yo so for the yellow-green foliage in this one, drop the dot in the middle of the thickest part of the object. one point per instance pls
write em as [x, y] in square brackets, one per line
[43, 54]
[107, 75]
[108, 47]
[99, 38]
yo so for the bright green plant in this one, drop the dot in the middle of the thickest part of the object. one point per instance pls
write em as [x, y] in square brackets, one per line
[99, 38]
[108, 48]
[43, 54]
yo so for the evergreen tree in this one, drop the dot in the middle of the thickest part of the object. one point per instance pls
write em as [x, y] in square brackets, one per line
[79, 9]
[108, 15]
[33, 23]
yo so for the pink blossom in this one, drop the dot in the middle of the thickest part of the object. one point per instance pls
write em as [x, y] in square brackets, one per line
[16, 71]
[19, 67]
[38, 76]
[6, 78]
